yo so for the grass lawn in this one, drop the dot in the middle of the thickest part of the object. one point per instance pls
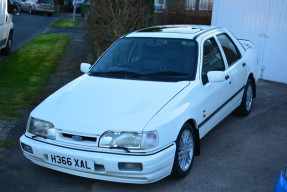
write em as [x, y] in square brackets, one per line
[65, 23]
[25, 73]
[7, 144]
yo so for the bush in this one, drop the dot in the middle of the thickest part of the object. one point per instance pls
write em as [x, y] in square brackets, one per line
[108, 20]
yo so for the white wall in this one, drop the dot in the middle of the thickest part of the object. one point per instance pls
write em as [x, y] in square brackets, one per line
[264, 22]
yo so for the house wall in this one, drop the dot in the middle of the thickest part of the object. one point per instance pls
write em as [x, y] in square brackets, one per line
[264, 22]
[182, 12]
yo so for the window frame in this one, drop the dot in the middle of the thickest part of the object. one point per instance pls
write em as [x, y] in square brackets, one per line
[192, 67]
[204, 82]
[205, 8]
[235, 45]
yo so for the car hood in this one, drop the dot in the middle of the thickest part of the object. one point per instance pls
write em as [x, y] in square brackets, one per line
[93, 105]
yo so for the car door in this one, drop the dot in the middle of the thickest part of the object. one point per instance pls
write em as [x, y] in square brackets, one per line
[22, 5]
[25, 5]
[216, 94]
[236, 65]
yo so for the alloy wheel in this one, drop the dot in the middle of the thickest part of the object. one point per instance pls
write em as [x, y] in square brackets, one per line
[185, 153]
[249, 97]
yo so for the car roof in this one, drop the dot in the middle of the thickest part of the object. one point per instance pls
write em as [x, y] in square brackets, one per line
[173, 31]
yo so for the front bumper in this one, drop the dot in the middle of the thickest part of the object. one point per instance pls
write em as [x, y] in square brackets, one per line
[154, 167]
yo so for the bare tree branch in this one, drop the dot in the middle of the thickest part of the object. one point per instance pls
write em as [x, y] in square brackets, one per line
[108, 20]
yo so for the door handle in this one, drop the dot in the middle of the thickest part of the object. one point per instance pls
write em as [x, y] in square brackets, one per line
[243, 64]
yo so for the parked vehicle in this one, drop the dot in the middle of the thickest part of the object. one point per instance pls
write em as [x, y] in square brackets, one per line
[7, 9]
[281, 184]
[38, 6]
[138, 114]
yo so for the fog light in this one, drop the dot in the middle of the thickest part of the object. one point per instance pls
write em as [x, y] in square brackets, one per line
[130, 167]
[27, 148]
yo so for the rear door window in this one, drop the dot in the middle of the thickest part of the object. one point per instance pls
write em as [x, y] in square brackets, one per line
[230, 50]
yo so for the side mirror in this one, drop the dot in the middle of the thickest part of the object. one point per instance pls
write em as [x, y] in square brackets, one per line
[85, 67]
[216, 76]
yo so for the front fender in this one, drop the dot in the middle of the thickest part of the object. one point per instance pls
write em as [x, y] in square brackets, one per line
[187, 105]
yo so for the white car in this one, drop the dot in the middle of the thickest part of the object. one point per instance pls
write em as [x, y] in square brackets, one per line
[138, 114]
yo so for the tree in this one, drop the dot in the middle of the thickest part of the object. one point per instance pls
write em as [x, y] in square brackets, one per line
[108, 20]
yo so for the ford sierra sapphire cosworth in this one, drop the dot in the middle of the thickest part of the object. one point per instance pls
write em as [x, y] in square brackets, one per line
[137, 115]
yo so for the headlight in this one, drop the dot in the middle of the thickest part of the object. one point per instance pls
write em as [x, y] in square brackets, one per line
[41, 128]
[129, 140]
[149, 140]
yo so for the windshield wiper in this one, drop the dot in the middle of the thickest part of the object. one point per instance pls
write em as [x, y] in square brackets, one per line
[108, 73]
[130, 74]
[166, 73]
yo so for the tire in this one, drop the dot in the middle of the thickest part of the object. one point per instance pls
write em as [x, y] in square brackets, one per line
[30, 11]
[247, 100]
[8, 48]
[50, 14]
[184, 154]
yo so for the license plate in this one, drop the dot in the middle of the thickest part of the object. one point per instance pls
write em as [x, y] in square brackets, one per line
[45, 6]
[71, 162]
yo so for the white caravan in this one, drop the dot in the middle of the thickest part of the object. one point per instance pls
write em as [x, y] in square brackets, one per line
[6, 25]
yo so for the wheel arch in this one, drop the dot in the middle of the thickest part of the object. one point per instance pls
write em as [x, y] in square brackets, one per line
[12, 31]
[32, 8]
[251, 77]
[193, 123]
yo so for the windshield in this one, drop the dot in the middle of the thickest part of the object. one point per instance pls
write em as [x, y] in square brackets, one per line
[149, 59]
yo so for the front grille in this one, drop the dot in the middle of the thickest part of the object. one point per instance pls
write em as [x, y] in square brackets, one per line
[84, 138]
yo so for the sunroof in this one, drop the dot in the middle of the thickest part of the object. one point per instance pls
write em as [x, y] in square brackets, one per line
[172, 29]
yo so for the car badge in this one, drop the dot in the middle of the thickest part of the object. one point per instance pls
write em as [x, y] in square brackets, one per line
[77, 138]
